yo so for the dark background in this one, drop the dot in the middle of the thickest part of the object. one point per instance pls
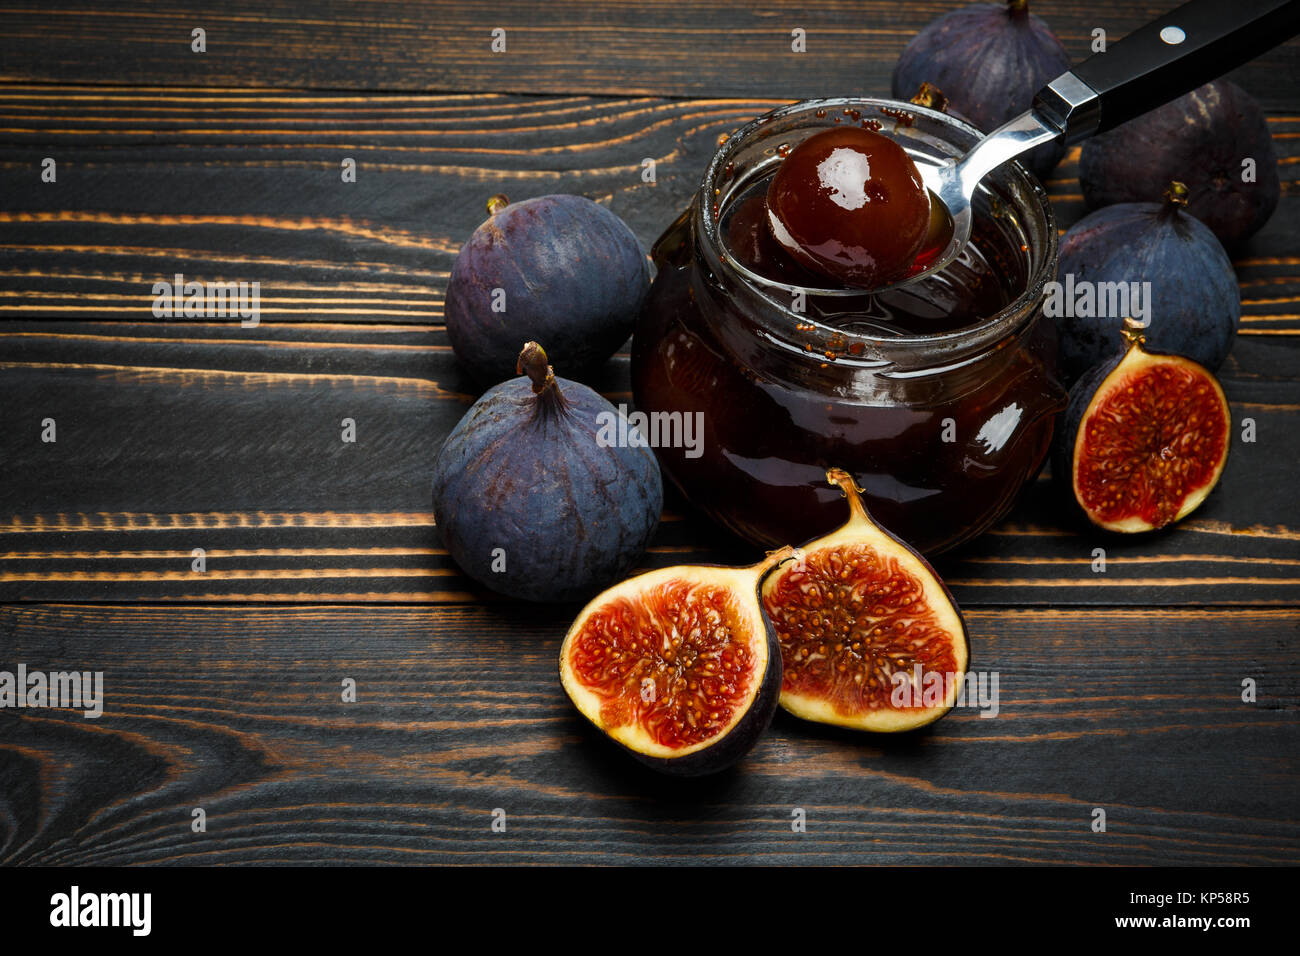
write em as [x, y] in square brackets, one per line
[1119, 691]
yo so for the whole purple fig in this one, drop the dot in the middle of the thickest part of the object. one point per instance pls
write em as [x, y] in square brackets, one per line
[1214, 139]
[558, 269]
[1151, 261]
[543, 490]
[989, 59]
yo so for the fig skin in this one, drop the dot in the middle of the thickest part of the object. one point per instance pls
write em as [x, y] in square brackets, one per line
[862, 528]
[523, 471]
[739, 740]
[1199, 139]
[850, 204]
[989, 59]
[1064, 446]
[574, 277]
[1196, 301]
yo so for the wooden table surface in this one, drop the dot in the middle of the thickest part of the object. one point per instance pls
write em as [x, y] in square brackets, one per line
[1120, 691]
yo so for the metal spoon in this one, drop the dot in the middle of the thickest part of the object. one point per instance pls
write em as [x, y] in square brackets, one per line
[1152, 65]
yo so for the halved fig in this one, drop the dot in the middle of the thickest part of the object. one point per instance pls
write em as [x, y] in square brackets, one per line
[1144, 438]
[678, 665]
[870, 637]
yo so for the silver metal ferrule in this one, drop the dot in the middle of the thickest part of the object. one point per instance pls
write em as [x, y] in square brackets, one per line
[1071, 105]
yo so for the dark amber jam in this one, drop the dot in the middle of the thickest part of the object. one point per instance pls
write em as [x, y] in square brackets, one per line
[940, 396]
[966, 292]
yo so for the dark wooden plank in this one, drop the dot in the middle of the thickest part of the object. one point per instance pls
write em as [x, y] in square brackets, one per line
[459, 712]
[655, 47]
[250, 187]
[194, 434]
[245, 186]
[175, 436]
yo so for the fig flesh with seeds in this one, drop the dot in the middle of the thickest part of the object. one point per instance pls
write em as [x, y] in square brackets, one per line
[870, 637]
[1144, 439]
[679, 666]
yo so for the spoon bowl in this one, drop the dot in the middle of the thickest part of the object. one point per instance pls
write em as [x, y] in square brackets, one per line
[1156, 63]
[953, 183]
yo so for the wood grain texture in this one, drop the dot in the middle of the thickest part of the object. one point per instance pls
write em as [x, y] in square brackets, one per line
[246, 185]
[459, 712]
[658, 47]
[240, 427]
[1119, 691]
[180, 436]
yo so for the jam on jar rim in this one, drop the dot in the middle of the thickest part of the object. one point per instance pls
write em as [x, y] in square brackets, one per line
[925, 353]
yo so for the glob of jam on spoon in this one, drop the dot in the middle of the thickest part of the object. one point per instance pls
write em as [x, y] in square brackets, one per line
[849, 204]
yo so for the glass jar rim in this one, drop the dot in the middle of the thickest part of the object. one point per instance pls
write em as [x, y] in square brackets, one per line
[861, 348]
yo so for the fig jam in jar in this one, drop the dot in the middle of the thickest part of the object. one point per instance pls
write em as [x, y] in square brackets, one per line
[939, 397]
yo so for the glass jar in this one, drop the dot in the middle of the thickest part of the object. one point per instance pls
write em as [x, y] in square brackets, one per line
[940, 398]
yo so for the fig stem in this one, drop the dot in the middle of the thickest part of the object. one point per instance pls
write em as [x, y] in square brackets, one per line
[852, 491]
[931, 97]
[532, 362]
[1176, 194]
[1132, 333]
[497, 203]
[1018, 8]
[775, 558]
